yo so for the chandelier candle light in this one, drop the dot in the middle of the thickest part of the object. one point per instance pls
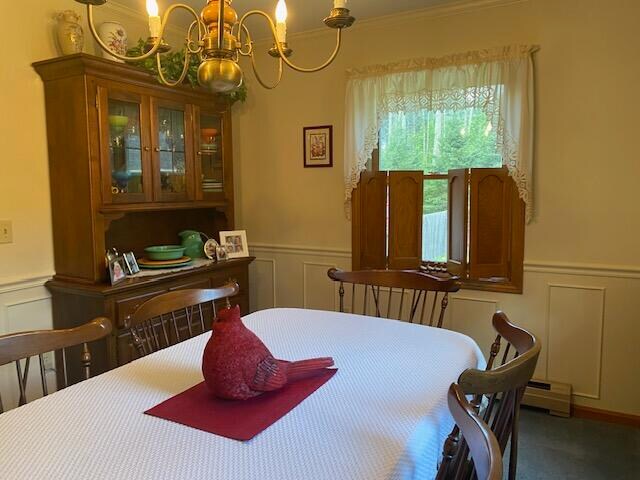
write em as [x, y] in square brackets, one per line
[218, 38]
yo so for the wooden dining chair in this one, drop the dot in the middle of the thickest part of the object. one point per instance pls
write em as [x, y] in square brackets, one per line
[382, 293]
[482, 443]
[172, 317]
[498, 390]
[22, 346]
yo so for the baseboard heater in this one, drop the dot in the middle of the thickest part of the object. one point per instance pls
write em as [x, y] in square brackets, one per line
[552, 396]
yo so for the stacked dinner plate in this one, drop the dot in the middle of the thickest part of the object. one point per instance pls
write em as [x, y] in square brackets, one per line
[164, 256]
[179, 262]
[211, 186]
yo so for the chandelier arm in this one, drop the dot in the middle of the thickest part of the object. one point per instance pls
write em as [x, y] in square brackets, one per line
[281, 51]
[249, 44]
[183, 75]
[265, 85]
[158, 43]
[194, 51]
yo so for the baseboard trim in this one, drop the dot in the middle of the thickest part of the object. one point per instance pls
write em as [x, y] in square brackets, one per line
[608, 416]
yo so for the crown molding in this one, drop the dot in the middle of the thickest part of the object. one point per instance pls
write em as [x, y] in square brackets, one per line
[459, 7]
[135, 14]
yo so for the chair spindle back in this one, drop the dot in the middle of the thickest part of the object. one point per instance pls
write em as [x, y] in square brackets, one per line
[175, 316]
[482, 443]
[400, 294]
[21, 347]
[503, 386]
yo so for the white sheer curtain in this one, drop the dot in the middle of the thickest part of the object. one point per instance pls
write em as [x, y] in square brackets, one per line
[499, 81]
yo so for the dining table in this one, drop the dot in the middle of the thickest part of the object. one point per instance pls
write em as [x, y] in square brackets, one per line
[383, 415]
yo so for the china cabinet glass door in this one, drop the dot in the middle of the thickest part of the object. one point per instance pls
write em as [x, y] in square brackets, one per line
[211, 168]
[124, 147]
[172, 151]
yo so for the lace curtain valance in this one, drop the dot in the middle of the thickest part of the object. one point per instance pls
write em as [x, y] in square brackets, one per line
[498, 81]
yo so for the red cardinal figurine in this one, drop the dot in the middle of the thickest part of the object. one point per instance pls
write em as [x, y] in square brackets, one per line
[236, 364]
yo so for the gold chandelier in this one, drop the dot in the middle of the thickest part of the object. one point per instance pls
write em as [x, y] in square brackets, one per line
[218, 38]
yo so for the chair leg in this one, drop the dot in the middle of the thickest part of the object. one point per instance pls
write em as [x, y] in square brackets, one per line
[513, 454]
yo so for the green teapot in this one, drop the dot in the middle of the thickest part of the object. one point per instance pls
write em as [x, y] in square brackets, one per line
[192, 243]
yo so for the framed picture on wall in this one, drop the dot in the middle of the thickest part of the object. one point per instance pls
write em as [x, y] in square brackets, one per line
[318, 146]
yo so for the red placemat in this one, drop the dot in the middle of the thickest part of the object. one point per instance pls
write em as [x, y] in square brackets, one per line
[236, 419]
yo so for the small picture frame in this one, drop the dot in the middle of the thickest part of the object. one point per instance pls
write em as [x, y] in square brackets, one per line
[131, 263]
[210, 249]
[221, 253]
[117, 270]
[236, 243]
[318, 146]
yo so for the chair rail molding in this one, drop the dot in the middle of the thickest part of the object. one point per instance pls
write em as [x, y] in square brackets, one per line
[582, 269]
[301, 250]
[15, 284]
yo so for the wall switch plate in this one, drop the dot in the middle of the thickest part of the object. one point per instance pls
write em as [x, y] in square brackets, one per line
[6, 231]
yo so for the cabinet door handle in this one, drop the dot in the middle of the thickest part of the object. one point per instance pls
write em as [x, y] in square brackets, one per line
[199, 153]
[157, 149]
[146, 149]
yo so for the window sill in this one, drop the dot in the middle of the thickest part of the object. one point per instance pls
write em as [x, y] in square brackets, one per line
[500, 286]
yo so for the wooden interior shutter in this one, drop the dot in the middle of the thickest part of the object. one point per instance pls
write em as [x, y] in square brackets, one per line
[405, 219]
[491, 195]
[369, 218]
[458, 219]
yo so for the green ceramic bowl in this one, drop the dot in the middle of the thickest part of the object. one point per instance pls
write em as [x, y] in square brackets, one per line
[118, 122]
[164, 252]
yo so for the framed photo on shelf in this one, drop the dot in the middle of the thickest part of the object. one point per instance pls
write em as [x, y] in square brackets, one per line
[131, 263]
[210, 248]
[117, 270]
[318, 146]
[235, 243]
[221, 253]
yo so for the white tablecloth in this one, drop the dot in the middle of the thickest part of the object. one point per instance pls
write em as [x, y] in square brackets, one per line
[382, 416]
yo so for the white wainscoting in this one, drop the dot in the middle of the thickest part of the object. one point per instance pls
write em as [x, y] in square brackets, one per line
[25, 304]
[301, 279]
[588, 338]
[575, 324]
[262, 283]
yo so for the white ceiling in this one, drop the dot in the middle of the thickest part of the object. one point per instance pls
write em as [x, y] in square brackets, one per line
[305, 14]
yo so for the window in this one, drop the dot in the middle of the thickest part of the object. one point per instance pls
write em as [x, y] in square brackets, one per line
[436, 142]
[436, 195]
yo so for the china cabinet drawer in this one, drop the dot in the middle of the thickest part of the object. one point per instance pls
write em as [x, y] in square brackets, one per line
[200, 283]
[127, 306]
[235, 274]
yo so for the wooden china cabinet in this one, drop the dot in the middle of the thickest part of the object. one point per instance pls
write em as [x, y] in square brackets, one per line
[132, 163]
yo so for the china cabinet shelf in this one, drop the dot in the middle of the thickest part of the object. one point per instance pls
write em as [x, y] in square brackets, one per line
[132, 163]
[153, 207]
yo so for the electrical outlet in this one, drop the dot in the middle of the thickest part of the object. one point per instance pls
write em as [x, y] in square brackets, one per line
[6, 231]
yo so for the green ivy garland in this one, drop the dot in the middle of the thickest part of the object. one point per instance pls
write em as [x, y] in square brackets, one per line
[172, 63]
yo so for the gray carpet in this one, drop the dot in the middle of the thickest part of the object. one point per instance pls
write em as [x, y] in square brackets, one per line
[575, 448]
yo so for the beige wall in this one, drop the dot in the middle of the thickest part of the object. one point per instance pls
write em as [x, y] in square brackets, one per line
[582, 278]
[27, 35]
[586, 162]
